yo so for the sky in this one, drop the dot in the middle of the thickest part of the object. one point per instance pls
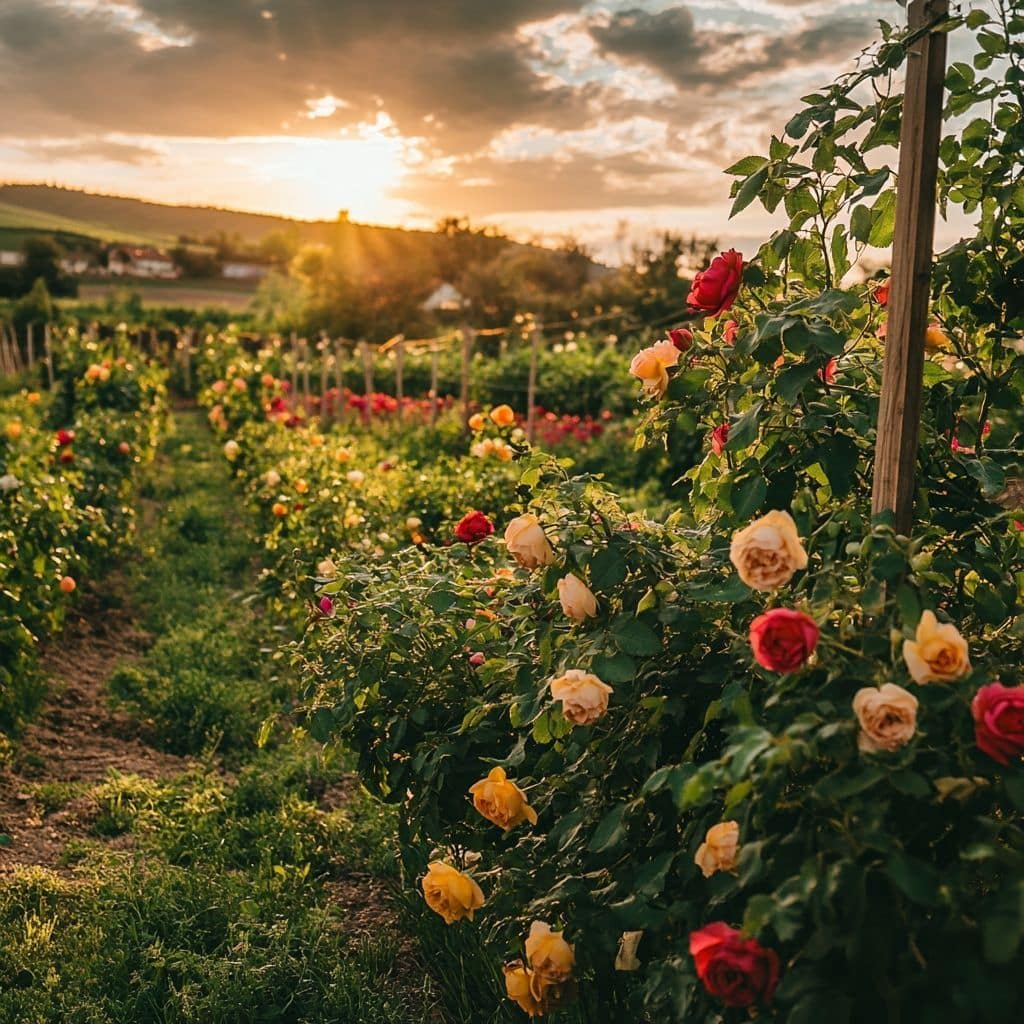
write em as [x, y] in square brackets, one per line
[604, 120]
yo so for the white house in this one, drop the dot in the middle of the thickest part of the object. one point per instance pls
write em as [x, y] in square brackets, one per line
[141, 261]
[445, 298]
[235, 270]
[76, 263]
[11, 258]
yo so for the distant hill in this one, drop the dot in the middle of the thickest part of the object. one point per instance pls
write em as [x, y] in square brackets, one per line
[116, 218]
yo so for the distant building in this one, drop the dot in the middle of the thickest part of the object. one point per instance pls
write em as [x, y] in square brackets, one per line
[141, 261]
[235, 270]
[445, 299]
[77, 263]
[11, 258]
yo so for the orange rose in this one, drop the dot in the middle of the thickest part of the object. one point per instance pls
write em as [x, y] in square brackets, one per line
[476, 422]
[584, 697]
[720, 848]
[503, 416]
[501, 801]
[451, 893]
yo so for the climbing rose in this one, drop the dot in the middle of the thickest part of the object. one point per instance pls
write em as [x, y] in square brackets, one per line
[827, 374]
[503, 416]
[731, 329]
[550, 956]
[681, 338]
[738, 971]
[720, 848]
[999, 721]
[719, 437]
[578, 601]
[714, 290]
[451, 893]
[65, 437]
[500, 800]
[651, 364]
[938, 653]
[525, 989]
[527, 543]
[881, 293]
[887, 716]
[584, 697]
[768, 552]
[476, 422]
[473, 527]
[782, 639]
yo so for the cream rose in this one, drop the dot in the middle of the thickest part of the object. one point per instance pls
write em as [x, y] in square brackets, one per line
[527, 543]
[768, 551]
[272, 477]
[231, 450]
[500, 800]
[720, 848]
[577, 600]
[584, 697]
[938, 653]
[887, 716]
[451, 893]
[355, 477]
[327, 568]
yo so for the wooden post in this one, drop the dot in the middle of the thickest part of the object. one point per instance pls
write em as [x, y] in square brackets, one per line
[399, 372]
[339, 377]
[48, 349]
[899, 414]
[31, 345]
[152, 341]
[295, 370]
[6, 367]
[305, 372]
[435, 357]
[531, 381]
[367, 378]
[322, 347]
[468, 337]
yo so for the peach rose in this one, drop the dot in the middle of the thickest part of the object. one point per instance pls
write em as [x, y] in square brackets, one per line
[272, 477]
[355, 477]
[584, 697]
[549, 955]
[938, 653]
[231, 450]
[500, 800]
[522, 988]
[503, 416]
[327, 568]
[887, 716]
[451, 893]
[720, 848]
[527, 543]
[577, 600]
[476, 422]
[768, 551]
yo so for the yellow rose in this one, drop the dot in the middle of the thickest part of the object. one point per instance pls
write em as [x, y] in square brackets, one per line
[527, 543]
[343, 455]
[720, 848]
[549, 955]
[577, 600]
[503, 416]
[938, 653]
[231, 450]
[935, 339]
[451, 893]
[500, 800]
[768, 551]
[584, 697]
[327, 568]
[651, 372]
[887, 716]
[520, 985]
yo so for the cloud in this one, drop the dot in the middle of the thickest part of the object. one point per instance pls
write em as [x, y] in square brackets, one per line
[671, 43]
[106, 149]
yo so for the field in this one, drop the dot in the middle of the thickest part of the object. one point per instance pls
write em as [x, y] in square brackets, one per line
[197, 294]
[16, 222]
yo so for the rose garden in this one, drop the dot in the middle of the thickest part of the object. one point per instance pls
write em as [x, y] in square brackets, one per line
[746, 747]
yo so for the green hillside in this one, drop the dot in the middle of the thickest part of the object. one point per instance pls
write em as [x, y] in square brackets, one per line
[16, 221]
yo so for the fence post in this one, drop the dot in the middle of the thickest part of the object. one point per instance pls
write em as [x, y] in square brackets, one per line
[31, 345]
[364, 349]
[400, 371]
[295, 370]
[304, 345]
[899, 414]
[322, 348]
[468, 337]
[48, 349]
[339, 378]
[531, 381]
[435, 358]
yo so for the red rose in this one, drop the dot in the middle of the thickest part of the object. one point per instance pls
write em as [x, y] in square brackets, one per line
[783, 639]
[473, 527]
[681, 338]
[738, 971]
[718, 438]
[881, 294]
[714, 290]
[827, 374]
[731, 330]
[65, 437]
[999, 721]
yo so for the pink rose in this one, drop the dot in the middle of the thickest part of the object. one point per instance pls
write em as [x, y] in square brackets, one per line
[714, 290]
[719, 437]
[999, 721]
[782, 639]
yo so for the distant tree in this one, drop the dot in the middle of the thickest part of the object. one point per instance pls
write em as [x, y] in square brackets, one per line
[196, 262]
[34, 307]
[279, 246]
[42, 260]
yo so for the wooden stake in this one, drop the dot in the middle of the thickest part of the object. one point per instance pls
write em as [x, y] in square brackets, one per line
[367, 378]
[435, 357]
[48, 349]
[305, 371]
[339, 377]
[295, 370]
[468, 337]
[31, 346]
[322, 348]
[899, 414]
[531, 382]
[399, 372]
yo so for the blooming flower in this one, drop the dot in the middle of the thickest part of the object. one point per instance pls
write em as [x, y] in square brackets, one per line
[782, 639]
[527, 543]
[887, 716]
[999, 721]
[720, 848]
[583, 695]
[768, 552]
[501, 801]
[578, 602]
[473, 527]
[938, 653]
[738, 971]
[714, 290]
[450, 892]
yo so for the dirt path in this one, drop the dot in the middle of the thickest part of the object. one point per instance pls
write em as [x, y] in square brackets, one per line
[76, 738]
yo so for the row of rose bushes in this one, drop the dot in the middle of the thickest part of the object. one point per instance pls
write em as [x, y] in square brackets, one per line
[68, 464]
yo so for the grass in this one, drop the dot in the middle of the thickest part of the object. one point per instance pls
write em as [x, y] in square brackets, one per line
[252, 886]
[23, 218]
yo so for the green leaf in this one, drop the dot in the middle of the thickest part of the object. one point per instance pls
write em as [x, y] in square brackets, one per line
[615, 668]
[608, 569]
[743, 432]
[883, 220]
[633, 636]
[749, 190]
[791, 381]
[610, 832]
[917, 880]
